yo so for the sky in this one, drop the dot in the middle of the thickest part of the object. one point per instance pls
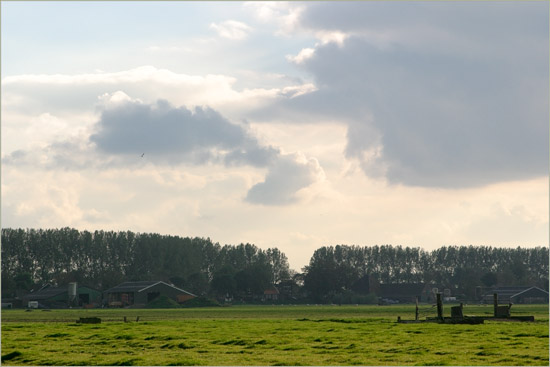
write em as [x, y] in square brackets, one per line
[293, 125]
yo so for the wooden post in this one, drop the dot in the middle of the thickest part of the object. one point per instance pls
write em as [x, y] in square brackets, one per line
[125, 319]
[439, 307]
[416, 311]
[495, 304]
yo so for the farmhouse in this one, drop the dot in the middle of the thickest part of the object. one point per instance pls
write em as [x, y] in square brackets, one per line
[63, 297]
[138, 294]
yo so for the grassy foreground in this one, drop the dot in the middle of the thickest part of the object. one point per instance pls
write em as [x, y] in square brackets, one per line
[270, 335]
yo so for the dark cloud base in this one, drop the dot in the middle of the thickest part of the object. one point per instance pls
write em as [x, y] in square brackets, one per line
[178, 135]
[450, 95]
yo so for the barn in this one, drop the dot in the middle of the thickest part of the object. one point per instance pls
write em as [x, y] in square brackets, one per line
[138, 294]
[62, 297]
[516, 295]
[530, 295]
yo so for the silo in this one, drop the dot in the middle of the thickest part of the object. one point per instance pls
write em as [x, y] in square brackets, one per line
[72, 293]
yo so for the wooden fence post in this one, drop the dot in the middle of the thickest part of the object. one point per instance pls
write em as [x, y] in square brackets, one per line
[495, 304]
[416, 311]
[439, 307]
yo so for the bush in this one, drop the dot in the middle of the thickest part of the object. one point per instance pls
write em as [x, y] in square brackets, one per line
[201, 302]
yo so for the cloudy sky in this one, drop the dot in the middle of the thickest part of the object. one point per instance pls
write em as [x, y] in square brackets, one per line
[289, 125]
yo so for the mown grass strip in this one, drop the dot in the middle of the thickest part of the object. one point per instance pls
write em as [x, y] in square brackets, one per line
[309, 339]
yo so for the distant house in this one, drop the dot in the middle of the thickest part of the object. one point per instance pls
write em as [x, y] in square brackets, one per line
[271, 294]
[288, 290]
[138, 294]
[403, 292]
[515, 295]
[63, 297]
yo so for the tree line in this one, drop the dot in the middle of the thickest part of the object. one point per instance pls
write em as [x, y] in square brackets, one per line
[103, 259]
[336, 270]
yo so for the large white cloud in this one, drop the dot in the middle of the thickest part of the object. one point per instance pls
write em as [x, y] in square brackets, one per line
[70, 93]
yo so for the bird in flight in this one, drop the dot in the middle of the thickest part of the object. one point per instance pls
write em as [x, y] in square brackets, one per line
[142, 155]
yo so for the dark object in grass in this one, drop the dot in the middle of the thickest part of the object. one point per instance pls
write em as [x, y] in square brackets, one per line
[56, 335]
[465, 320]
[89, 320]
[10, 356]
[446, 320]
[512, 318]
[125, 362]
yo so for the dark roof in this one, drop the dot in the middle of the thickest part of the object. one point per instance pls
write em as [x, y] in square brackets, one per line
[532, 292]
[505, 291]
[401, 289]
[41, 287]
[141, 286]
[131, 286]
[46, 293]
[272, 290]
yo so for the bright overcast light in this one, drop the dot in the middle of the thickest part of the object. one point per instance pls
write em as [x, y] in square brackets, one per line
[290, 125]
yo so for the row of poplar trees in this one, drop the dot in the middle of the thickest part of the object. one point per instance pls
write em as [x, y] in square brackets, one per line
[334, 270]
[103, 259]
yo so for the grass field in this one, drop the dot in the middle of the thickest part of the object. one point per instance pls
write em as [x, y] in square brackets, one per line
[270, 335]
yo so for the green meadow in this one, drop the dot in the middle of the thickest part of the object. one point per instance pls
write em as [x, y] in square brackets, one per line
[270, 335]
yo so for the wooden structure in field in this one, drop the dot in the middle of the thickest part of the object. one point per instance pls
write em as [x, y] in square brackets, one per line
[500, 313]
